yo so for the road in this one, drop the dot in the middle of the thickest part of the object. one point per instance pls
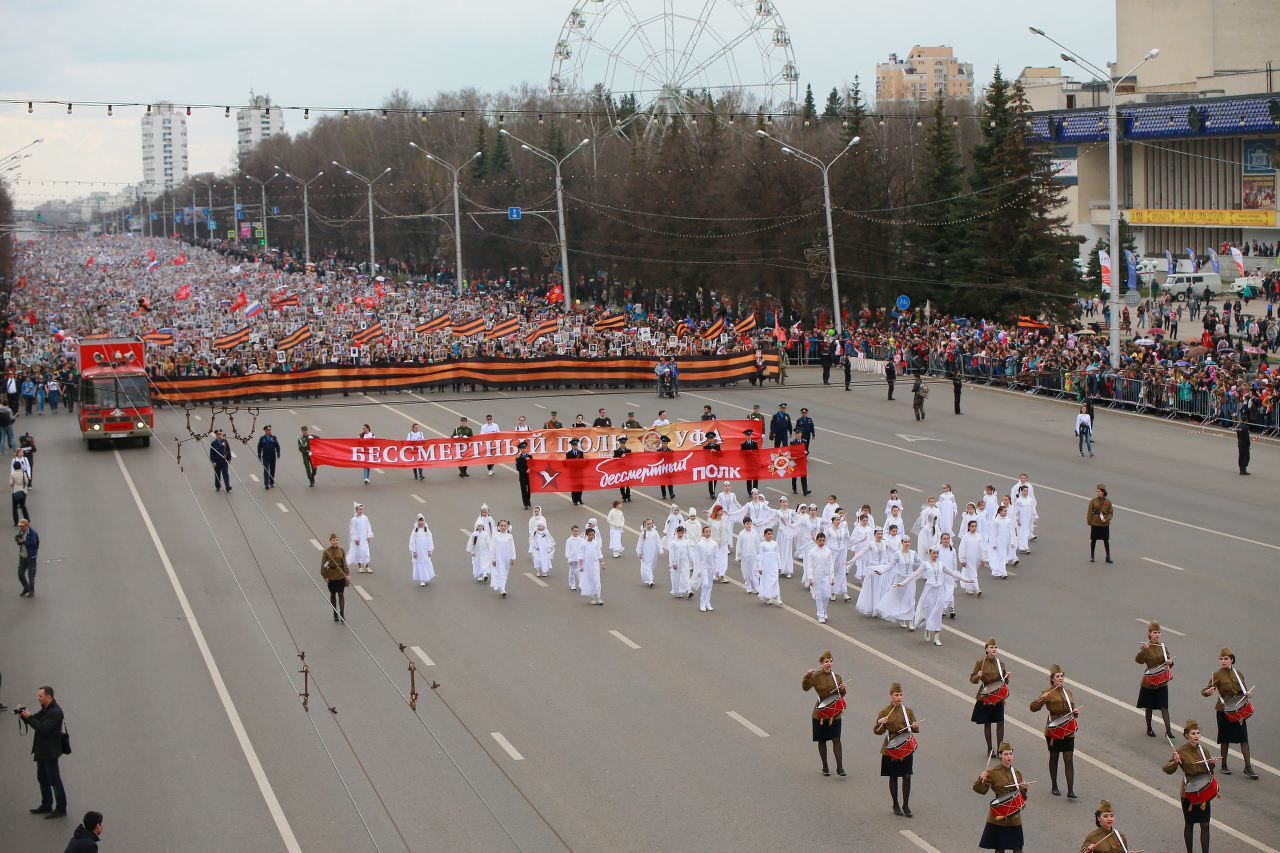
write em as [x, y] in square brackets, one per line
[641, 725]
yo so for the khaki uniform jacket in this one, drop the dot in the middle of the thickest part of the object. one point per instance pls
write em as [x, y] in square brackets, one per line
[999, 782]
[333, 564]
[1189, 763]
[896, 723]
[1152, 656]
[1099, 507]
[823, 683]
[985, 672]
[1056, 705]
[1106, 841]
[1228, 686]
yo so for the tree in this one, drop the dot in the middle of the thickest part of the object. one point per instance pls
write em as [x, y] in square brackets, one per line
[855, 111]
[835, 104]
[810, 113]
[1093, 270]
[937, 238]
[480, 166]
[500, 160]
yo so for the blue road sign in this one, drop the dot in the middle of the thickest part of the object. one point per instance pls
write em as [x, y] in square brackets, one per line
[903, 303]
[275, 211]
[154, 217]
[514, 214]
[239, 213]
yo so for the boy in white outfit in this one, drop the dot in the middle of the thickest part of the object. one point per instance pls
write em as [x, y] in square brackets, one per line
[573, 550]
[747, 553]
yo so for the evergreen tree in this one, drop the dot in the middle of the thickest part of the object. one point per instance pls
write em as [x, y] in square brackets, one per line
[835, 104]
[810, 113]
[855, 111]
[553, 141]
[934, 243]
[480, 166]
[1093, 270]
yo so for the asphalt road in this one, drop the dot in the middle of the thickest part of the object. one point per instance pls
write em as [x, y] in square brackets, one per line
[641, 725]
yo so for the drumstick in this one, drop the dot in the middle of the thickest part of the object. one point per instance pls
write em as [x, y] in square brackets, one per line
[916, 723]
[1020, 784]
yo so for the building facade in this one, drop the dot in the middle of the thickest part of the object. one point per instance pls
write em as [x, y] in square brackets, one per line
[256, 123]
[926, 73]
[164, 149]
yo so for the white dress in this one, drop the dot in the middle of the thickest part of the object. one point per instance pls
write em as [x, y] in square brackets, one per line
[420, 544]
[491, 526]
[933, 598]
[947, 513]
[360, 532]
[680, 563]
[970, 556]
[820, 575]
[786, 541]
[648, 549]
[747, 553]
[542, 551]
[898, 604]
[901, 522]
[674, 520]
[877, 559]
[1026, 509]
[1000, 541]
[838, 542]
[589, 584]
[926, 527]
[480, 547]
[573, 555]
[616, 521]
[504, 554]
[767, 572]
[860, 539]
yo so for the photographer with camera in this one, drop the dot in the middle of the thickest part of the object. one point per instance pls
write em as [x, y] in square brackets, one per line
[28, 548]
[47, 746]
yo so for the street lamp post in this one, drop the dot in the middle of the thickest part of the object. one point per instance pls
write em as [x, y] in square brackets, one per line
[262, 185]
[564, 246]
[457, 211]
[826, 201]
[306, 211]
[368, 183]
[1113, 176]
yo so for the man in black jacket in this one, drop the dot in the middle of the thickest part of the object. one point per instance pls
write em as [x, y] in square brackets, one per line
[780, 427]
[85, 839]
[268, 453]
[46, 749]
[575, 453]
[522, 471]
[220, 458]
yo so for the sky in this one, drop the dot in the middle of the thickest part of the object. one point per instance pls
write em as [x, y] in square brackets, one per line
[324, 52]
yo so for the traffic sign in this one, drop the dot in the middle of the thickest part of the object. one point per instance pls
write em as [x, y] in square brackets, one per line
[258, 233]
[514, 214]
[231, 235]
[275, 211]
[903, 303]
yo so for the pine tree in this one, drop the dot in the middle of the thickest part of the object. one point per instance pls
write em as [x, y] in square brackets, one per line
[855, 111]
[835, 104]
[480, 166]
[500, 160]
[810, 113]
[553, 140]
[935, 243]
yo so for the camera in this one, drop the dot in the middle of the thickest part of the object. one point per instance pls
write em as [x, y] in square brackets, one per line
[18, 709]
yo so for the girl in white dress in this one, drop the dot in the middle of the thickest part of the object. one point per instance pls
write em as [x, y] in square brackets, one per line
[896, 518]
[536, 519]
[421, 545]
[928, 610]
[785, 535]
[721, 531]
[589, 574]
[706, 555]
[490, 526]
[480, 547]
[860, 538]
[947, 510]
[767, 571]
[747, 553]
[801, 536]
[616, 521]
[360, 532]
[875, 563]
[1011, 557]
[674, 519]
[1025, 506]
[970, 556]
[838, 541]
[893, 501]
[971, 514]
[999, 540]
[898, 603]
[820, 574]
[926, 526]
[648, 549]
[504, 557]
[680, 561]
[542, 549]
[948, 557]
[893, 534]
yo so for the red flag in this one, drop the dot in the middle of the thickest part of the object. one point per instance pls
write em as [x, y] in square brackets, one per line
[180, 260]
[89, 262]
[240, 302]
[556, 295]
[778, 334]
[31, 317]
[184, 292]
[151, 254]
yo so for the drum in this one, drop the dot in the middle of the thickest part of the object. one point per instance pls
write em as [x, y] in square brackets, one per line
[1200, 789]
[1238, 709]
[900, 746]
[1062, 727]
[831, 707]
[1007, 805]
[1157, 675]
[994, 693]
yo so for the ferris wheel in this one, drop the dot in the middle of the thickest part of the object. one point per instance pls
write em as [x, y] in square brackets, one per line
[660, 50]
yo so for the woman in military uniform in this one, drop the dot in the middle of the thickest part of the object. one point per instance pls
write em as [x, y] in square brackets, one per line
[333, 568]
[892, 720]
[824, 682]
[988, 670]
[1002, 833]
[1106, 838]
[1191, 761]
[1059, 702]
[1153, 653]
[1228, 683]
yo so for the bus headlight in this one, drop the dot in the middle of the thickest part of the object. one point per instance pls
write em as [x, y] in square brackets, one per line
[142, 424]
[97, 427]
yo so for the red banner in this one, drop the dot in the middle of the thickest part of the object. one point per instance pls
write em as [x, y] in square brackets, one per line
[501, 447]
[639, 470]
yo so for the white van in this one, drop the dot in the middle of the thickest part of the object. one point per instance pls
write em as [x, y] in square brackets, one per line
[1181, 284]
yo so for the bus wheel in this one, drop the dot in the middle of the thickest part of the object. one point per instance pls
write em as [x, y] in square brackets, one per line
[146, 441]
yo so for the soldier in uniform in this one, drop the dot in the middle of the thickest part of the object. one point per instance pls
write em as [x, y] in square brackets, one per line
[304, 447]
[631, 422]
[712, 443]
[780, 426]
[1228, 683]
[1002, 833]
[757, 416]
[1191, 761]
[334, 571]
[890, 375]
[1106, 838]
[1153, 653]
[988, 670]
[268, 453]
[824, 682]
[522, 471]
[806, 428]
[664, 446]
[1058, 701]
[552, 423]
[462, 431]
[749, 443]
[574, 453]
[220, 458]
[620, 450]
[798, 441]
[891, 721]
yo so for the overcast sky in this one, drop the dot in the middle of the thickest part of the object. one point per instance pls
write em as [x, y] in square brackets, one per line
[324, 52]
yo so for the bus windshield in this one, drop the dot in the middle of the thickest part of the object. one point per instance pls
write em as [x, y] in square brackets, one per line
[117, 392]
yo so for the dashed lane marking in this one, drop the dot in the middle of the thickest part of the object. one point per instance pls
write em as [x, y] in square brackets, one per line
[422, 656]
[506, 746]
[625, 640]
[254, 477]
[317, 545]
[905, 486]
[539, 581]
[362, 592]
[418, 498]
[1145, 621]
[918, 841]
[747, 724]
[281, 507]
[1166, 565]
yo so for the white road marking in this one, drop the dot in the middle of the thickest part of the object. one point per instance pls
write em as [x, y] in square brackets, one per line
[313, 427]
[626, 641]
[747, 724]
[912, 439]
[317, 544]
[362, 592]
[1166, 565]
[281, 507]
[233, 455]
[254, 477]
[422, 656]
[905, 486]
[417, 498]
[539, 581]
[228, 706]
[778, 491]
[465, 530]
[630, 403]
[1145, 621]
[292, 412]
[378, 471]
[540, 406]
[506, 745]
[918, 841]
[197, 417]
[822, 461]
[1008, 476]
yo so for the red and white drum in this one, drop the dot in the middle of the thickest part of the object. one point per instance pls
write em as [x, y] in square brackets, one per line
[1157, 675]
[1060, 728]
[900, 746]
[994, 693]
[1200, 789]
[1007, 805]
[1238, 710]
[831, 706]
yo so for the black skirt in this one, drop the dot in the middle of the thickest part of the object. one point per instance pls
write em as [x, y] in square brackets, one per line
[1155, 698]
[339, 585]
[1193, 814]
[997, 837]
[894, 769]
[1229, 732]
[1097, 533]
[824, 730]
[984, 713]
[1066, 744]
